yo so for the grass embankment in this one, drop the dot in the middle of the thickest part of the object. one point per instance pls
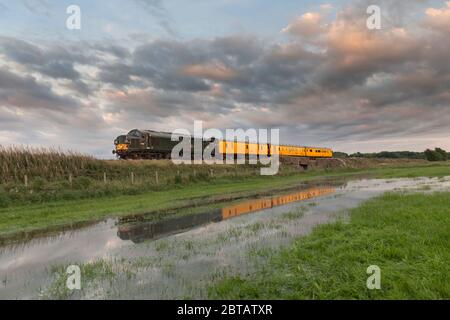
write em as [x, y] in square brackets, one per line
[406, 235]
[29, 176]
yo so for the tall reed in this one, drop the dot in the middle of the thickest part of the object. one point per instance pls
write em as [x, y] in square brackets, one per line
[48, 163]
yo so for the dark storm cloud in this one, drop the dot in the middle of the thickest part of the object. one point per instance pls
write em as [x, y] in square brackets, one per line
[27, 93]
[114, 50]
[56, 61]
[60, 70]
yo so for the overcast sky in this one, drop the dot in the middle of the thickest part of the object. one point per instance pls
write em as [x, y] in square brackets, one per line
[314, 70]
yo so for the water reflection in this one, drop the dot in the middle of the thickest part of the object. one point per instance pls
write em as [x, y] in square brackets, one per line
[182, 265]
[139, 232]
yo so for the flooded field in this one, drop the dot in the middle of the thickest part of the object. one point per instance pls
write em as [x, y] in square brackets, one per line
[178, 256]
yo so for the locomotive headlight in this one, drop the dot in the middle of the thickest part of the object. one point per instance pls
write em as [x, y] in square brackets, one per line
[122, 147]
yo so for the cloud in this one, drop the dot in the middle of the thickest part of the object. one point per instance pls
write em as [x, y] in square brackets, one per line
[369, 91]
[41, 7]
[308, 25]
[439, 19]
[27, 93]
[213, 71]
[60, 62]
[157, 10]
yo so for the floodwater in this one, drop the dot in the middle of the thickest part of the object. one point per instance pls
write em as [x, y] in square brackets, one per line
[179, 256]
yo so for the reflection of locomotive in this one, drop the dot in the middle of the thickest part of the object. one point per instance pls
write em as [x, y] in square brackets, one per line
[138, 232]
[147, 144]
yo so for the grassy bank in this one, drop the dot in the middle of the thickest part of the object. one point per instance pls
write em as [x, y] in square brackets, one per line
[27, 218]
[407, 236]
[33, 176]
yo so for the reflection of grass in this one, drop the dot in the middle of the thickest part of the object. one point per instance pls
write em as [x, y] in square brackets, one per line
[256, 227]
[161, 245]
[406, 235]
[144, 262]
[168, 269]
[295, 214]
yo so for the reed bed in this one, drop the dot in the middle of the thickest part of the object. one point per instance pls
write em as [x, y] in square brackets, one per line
[47, 163]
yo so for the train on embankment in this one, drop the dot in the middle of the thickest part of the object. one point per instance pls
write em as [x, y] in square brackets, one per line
[148, 144]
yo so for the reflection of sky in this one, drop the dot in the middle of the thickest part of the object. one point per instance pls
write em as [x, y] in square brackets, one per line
[83, 245]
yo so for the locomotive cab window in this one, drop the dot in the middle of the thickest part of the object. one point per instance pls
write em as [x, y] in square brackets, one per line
[135, 134]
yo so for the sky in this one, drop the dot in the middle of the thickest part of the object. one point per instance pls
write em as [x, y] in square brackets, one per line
[312, 69]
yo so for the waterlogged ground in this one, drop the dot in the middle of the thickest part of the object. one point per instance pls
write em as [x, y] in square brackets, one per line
[178, 257]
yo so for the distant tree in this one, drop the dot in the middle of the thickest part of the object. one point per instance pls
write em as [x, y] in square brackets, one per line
[443, 153]
[391, 155]
[338, 154]
[436, 155]
[357, 155]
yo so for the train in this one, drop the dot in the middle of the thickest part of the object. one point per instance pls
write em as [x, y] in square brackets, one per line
[149, 144]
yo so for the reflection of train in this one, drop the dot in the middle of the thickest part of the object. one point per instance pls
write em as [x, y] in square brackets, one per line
[142, 231]
[147, 144]
[139, 232]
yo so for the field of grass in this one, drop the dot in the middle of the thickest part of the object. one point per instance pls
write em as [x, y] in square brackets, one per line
[406, 235]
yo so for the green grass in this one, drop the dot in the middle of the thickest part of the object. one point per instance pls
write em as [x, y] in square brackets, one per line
[433, 170]
[17, 219]
[406, 235]
[90, 183]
